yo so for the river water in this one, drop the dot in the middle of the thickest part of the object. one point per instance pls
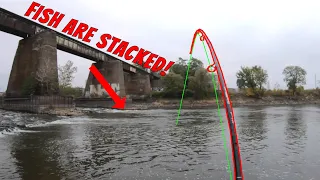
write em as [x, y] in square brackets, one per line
[276, 143]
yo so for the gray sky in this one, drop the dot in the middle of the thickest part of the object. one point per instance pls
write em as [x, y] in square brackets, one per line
[273, 33]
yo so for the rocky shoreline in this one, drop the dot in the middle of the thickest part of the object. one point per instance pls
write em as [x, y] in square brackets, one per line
[64, 111]
[190, 104]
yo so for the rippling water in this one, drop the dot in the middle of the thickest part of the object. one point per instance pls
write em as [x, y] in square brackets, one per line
[276, 143]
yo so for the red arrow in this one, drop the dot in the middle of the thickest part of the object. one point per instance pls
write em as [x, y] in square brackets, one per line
[119, 103]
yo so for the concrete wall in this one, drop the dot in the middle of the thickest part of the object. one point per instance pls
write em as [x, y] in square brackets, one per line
[36, 103]
[112, 71]
[36, 56]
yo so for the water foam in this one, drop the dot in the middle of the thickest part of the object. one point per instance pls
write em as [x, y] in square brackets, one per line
[14, 131]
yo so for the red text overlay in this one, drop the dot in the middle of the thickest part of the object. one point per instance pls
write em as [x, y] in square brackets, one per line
[109, 43]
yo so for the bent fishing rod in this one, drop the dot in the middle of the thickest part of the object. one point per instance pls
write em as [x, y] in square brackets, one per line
[236, 157]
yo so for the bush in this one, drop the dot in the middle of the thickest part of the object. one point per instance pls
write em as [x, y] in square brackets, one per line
[71, 91]
[157, 94]
[249, 92]
[171, 94]
[188, 93]
[312, 92]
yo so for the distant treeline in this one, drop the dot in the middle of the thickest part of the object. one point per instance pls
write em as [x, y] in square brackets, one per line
[250, 80]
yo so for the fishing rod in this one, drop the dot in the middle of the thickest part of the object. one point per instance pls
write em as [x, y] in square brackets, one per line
[236, 157]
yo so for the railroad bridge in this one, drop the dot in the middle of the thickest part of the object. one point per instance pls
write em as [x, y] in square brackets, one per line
[37, 52]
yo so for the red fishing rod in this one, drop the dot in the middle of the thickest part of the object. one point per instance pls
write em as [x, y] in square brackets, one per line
[236, 157]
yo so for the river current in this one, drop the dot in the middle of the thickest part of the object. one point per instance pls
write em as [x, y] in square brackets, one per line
[277, 143]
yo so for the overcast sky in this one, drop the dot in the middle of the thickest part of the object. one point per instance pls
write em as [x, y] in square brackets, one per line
[273, 33]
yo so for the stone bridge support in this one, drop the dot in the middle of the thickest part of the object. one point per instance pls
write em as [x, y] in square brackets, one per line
[35, 63]
[138, 85]
[112, 71]
[123, 83]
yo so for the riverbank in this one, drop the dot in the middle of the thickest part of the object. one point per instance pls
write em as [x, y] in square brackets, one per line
[237, 101]
[160, 103]
[63, 111]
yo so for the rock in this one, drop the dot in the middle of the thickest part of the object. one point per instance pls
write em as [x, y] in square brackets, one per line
[63, 112]
[21, 126]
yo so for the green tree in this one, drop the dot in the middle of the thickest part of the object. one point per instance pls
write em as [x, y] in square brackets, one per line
[201, 83]
[181, 66]
[66, 74]
[173, 84]
[195, 65]
[198, 84]
[253, 78]
[294, 76]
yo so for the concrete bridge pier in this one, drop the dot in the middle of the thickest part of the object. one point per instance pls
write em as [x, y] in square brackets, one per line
[138, 85]
[112, 71]
[35, 61]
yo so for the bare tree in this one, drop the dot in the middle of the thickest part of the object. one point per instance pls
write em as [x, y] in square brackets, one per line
[277, 86]
[318, 83]
[45, 75]
[66, 74]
